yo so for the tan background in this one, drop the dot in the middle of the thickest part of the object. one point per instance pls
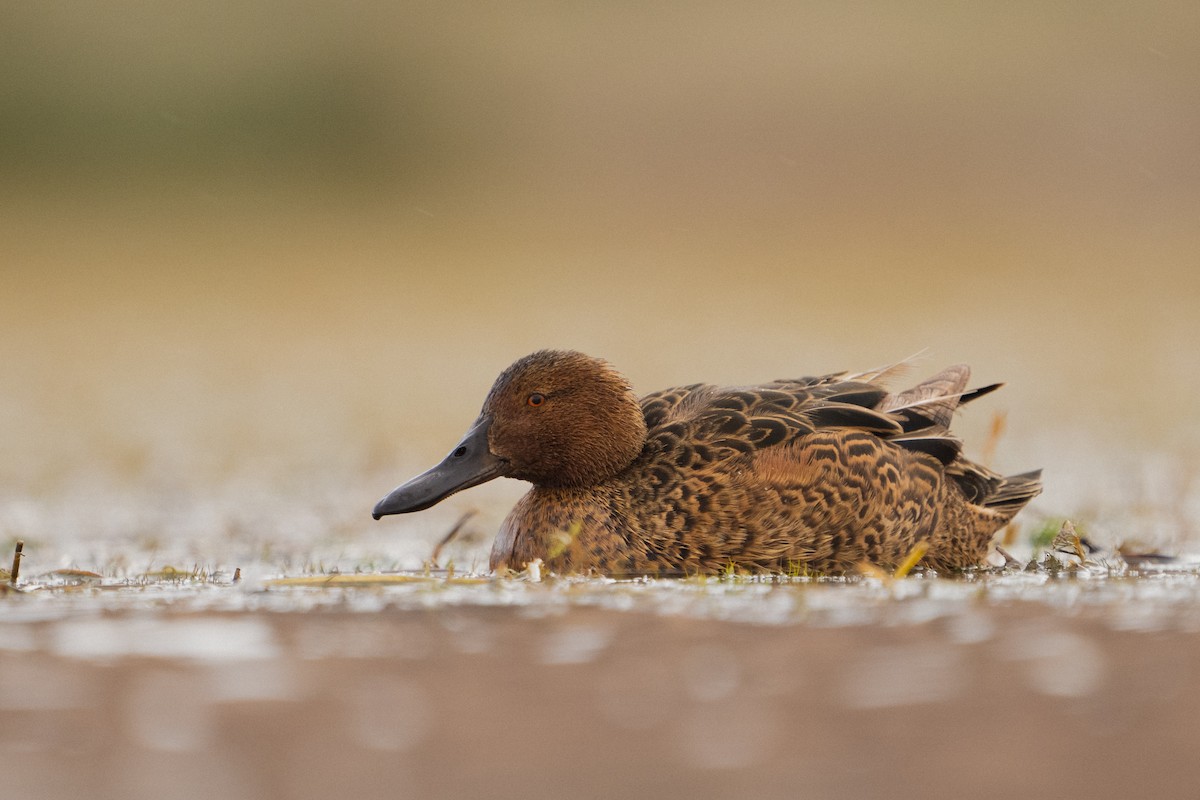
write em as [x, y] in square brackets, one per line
[262, 260]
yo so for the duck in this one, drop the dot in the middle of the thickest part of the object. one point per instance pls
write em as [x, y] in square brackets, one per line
[819, 475]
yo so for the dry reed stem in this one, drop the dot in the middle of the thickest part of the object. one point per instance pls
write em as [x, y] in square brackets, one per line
[16, 567]
[449, 537]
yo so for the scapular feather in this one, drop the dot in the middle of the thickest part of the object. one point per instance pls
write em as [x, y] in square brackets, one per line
[842, 415]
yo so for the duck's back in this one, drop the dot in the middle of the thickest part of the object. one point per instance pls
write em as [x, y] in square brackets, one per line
[820, 473]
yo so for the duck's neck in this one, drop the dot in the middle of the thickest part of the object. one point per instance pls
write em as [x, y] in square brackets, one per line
[595, 453]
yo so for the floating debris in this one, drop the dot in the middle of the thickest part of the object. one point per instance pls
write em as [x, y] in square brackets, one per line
[533, 571]
[172, 574]
[1009, 561]
[1140, 557]
[367, 580]
[16, 564]
[869, 570]
[76, 577]
[1067, 541]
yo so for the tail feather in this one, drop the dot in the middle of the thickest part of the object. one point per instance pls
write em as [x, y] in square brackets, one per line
[1014, 491]
[982, 487]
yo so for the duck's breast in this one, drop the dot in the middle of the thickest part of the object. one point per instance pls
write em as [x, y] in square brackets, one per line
[570, 530]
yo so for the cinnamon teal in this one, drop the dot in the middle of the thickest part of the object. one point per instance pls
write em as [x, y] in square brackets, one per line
[819, 473]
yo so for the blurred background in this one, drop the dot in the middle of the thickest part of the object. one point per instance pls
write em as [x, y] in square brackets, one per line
[262, 260]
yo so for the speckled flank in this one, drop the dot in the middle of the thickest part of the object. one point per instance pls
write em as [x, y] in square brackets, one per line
[816, 473]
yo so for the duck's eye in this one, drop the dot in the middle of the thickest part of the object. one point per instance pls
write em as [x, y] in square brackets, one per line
[536, 399]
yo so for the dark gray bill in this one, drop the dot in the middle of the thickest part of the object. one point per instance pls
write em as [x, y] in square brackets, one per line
[469, 464]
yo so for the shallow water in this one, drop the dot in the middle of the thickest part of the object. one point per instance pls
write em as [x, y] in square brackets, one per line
[436, 687]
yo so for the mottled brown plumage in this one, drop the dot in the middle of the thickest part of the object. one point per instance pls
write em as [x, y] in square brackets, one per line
[820, 473]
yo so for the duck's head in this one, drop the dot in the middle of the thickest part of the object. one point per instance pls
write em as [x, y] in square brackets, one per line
[554, 418]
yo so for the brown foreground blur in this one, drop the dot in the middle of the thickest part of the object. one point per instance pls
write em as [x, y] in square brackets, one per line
[983, 702]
